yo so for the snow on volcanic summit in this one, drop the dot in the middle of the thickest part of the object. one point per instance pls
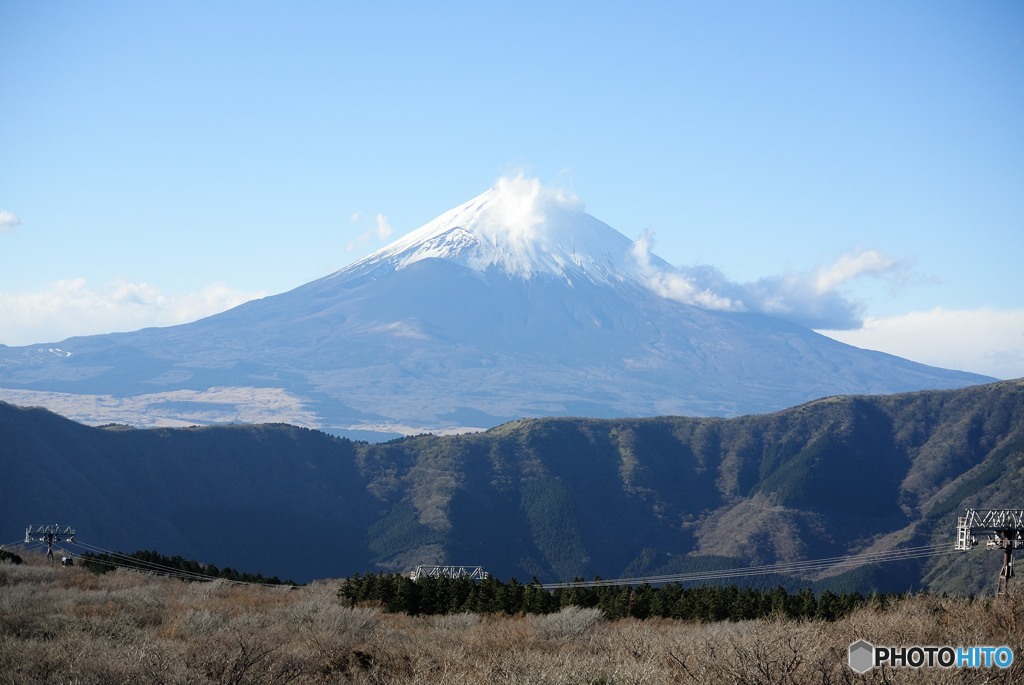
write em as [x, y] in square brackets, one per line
[517, 303]
[521, 228]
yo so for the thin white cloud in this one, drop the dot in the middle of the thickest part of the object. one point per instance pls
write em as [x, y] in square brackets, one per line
[986, 341]
[8, 221]
[700, 287]
[383, 227]
[72, 307]
[796, 297]
[381, 230]
[813, 299]
[851, 266]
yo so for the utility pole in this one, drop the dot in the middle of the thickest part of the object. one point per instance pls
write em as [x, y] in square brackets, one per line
[49, 535]
[1002, 528]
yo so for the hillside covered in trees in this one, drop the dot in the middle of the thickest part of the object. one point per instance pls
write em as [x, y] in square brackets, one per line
[547, 498]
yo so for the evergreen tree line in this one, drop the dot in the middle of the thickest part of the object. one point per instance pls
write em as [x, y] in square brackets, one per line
[154, 562]
[400, 594]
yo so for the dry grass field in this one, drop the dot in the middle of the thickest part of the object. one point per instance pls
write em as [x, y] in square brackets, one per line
[68, 626]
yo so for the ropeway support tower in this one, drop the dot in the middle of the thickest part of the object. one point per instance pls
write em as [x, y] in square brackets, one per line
[50, 535]
[471, 572]
[1002, 529]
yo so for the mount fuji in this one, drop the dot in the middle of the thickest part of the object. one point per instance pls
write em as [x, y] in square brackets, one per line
[514, 304]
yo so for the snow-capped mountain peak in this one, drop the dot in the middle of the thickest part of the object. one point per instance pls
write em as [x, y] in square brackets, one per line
[518, 227]
[516, 303]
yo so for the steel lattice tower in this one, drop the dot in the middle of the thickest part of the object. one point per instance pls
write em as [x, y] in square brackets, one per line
[49, 535]
[1002, 528]
[471, 572]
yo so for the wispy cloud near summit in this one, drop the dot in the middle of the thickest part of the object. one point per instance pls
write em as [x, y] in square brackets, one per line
[517, 208]
[811, 298]
[381, 231]
[699, 286]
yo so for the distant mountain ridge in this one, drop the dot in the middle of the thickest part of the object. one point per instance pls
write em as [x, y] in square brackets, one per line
[515, 304]
[554, 497]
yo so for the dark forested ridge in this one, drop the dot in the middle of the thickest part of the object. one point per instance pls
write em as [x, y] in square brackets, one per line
[548, 498]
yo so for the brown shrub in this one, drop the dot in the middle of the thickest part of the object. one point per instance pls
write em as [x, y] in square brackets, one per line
[133, 627]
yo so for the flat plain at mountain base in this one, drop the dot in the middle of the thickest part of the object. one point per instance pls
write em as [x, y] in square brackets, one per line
[60, 625]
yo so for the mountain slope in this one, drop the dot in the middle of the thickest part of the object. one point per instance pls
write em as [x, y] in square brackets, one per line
[507, 306]
[555, 498]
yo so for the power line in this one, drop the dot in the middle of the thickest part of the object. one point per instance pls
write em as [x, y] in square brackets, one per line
[118, 560]
[780, 568]
[142, 564]
[135, 563]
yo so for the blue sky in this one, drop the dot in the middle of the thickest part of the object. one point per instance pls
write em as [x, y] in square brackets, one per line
[163, 161]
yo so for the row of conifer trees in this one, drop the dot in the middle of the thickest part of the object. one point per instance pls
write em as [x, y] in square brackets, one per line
[401, 594]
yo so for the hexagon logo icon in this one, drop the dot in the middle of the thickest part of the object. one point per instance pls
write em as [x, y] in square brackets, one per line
[862, 656]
